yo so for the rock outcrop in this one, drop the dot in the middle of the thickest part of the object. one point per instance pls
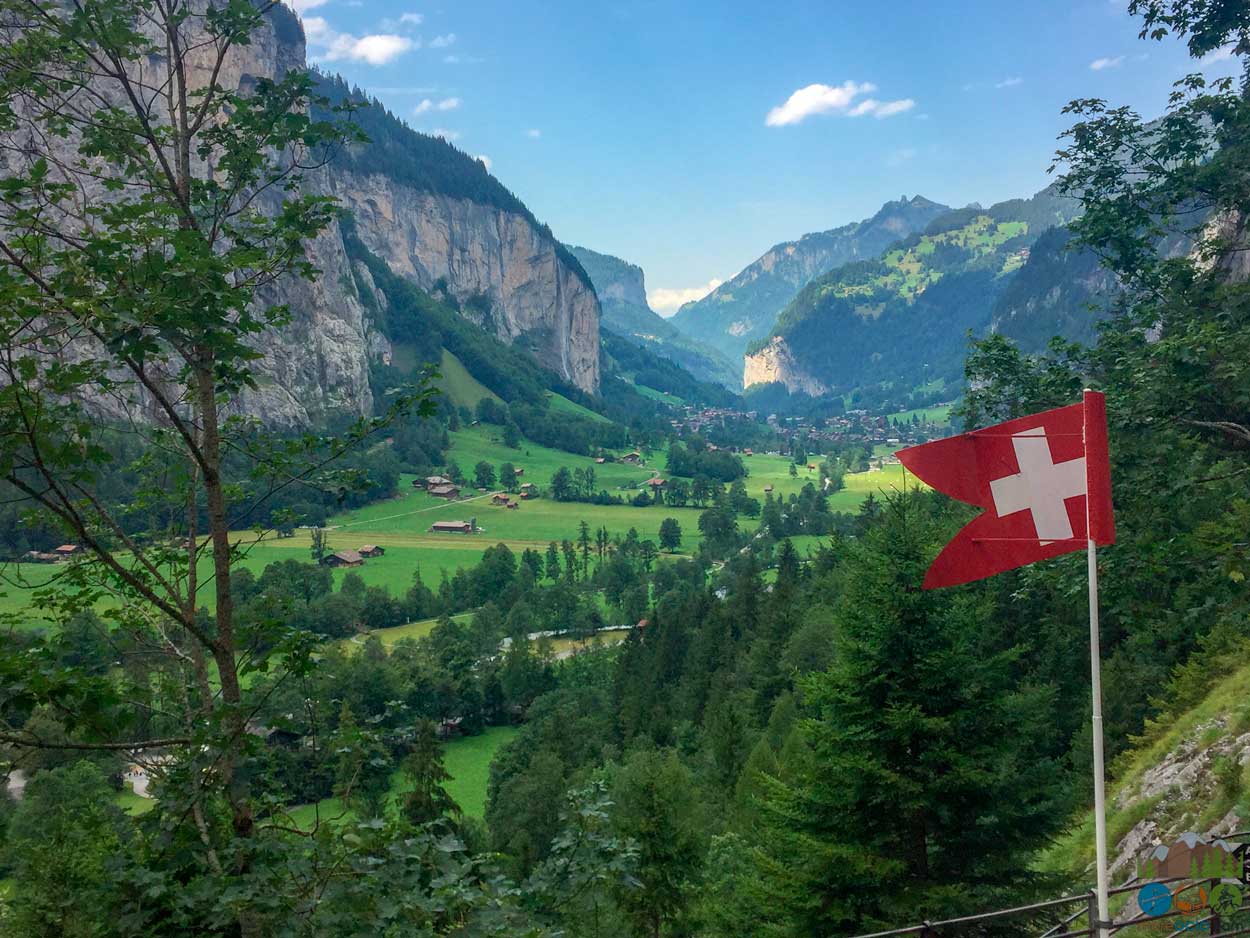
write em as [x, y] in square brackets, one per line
[775, 362]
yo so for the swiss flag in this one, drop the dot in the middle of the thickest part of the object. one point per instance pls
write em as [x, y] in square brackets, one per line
[1031, 476]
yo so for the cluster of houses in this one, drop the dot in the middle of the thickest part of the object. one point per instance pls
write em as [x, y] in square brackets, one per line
[59, 555]
[352, 558]
[438, 486]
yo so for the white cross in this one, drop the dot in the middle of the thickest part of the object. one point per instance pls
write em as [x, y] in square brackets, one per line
[1040, 487]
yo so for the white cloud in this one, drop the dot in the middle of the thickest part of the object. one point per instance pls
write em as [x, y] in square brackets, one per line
[816, 99]
[448, 135]
[890, 108]
[442, 42]
[330, 45]
[423, 105]
[1009, 82]
[667, 300]
[448, 104]
[303, 6]
[485, 161]
[533, 133]
[412, 19]
[1106, 61]
[834, 99]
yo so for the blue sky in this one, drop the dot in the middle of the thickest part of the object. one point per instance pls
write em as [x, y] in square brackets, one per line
[690, 137]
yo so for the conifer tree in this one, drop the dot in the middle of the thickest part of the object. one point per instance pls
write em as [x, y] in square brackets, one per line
[428, 799]
[927, 788]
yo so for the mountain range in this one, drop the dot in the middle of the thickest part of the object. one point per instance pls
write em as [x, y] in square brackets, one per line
[904, 318]
[621, 287]
[744, 309]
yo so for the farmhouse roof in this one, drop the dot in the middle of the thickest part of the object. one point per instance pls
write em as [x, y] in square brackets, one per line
[349, 556]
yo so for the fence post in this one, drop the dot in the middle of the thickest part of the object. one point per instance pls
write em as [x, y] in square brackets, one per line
[1092, 907]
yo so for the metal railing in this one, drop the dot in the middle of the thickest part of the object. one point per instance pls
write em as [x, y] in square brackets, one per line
[1210, 925]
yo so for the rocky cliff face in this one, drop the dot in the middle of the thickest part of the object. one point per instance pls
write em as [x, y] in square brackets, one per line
[506, 269]
[775, 362]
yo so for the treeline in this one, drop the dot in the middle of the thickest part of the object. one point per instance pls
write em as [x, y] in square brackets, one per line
[125, 473]
[696, 458]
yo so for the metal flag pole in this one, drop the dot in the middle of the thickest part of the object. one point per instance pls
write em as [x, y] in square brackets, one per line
[1095, 663]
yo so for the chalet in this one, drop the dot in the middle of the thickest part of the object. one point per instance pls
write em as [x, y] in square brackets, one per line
[600, 461]
[39, 556]
[518, 472]
[65, 551]
[447, 491]
[632, 458]
[657, 483]
[430, 482]
[499, 498]
[528, 490]
[371, 550]
[811, 465]
[768, 488]
[343, 558]
[747, 452]
[512, 505]
[452, 527]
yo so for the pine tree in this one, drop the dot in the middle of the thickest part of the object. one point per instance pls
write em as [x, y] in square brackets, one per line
[428, 800]
[927, 788]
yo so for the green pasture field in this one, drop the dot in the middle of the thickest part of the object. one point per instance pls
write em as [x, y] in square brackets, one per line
[458, 384]
[401, 524]
[662, 396]
[413, 630]
[939, 415]
[467, 761]
[562, 405]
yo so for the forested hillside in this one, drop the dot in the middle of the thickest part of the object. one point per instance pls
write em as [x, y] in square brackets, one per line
[745, 308]
[905, 317]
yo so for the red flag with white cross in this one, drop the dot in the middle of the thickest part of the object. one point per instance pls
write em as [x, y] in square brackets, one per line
[1044, 482]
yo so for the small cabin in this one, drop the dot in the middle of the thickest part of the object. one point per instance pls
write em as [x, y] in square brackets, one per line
[39, 556]
[65, 551]
[371, 550]
[600, 461]
[518, 472]
[451, 527]
[448, 491]
[747, 452]
[512, 505]
[343, 558]
[499, 498]
[449, 728]
[768, 489]
[657, 483]
[632, 458]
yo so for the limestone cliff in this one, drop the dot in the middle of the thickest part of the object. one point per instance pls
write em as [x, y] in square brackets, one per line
[775, 362]
[504, 270]
[452, 226]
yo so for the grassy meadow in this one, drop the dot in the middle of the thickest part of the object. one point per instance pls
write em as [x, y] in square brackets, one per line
[467, 761]
[401, 524]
